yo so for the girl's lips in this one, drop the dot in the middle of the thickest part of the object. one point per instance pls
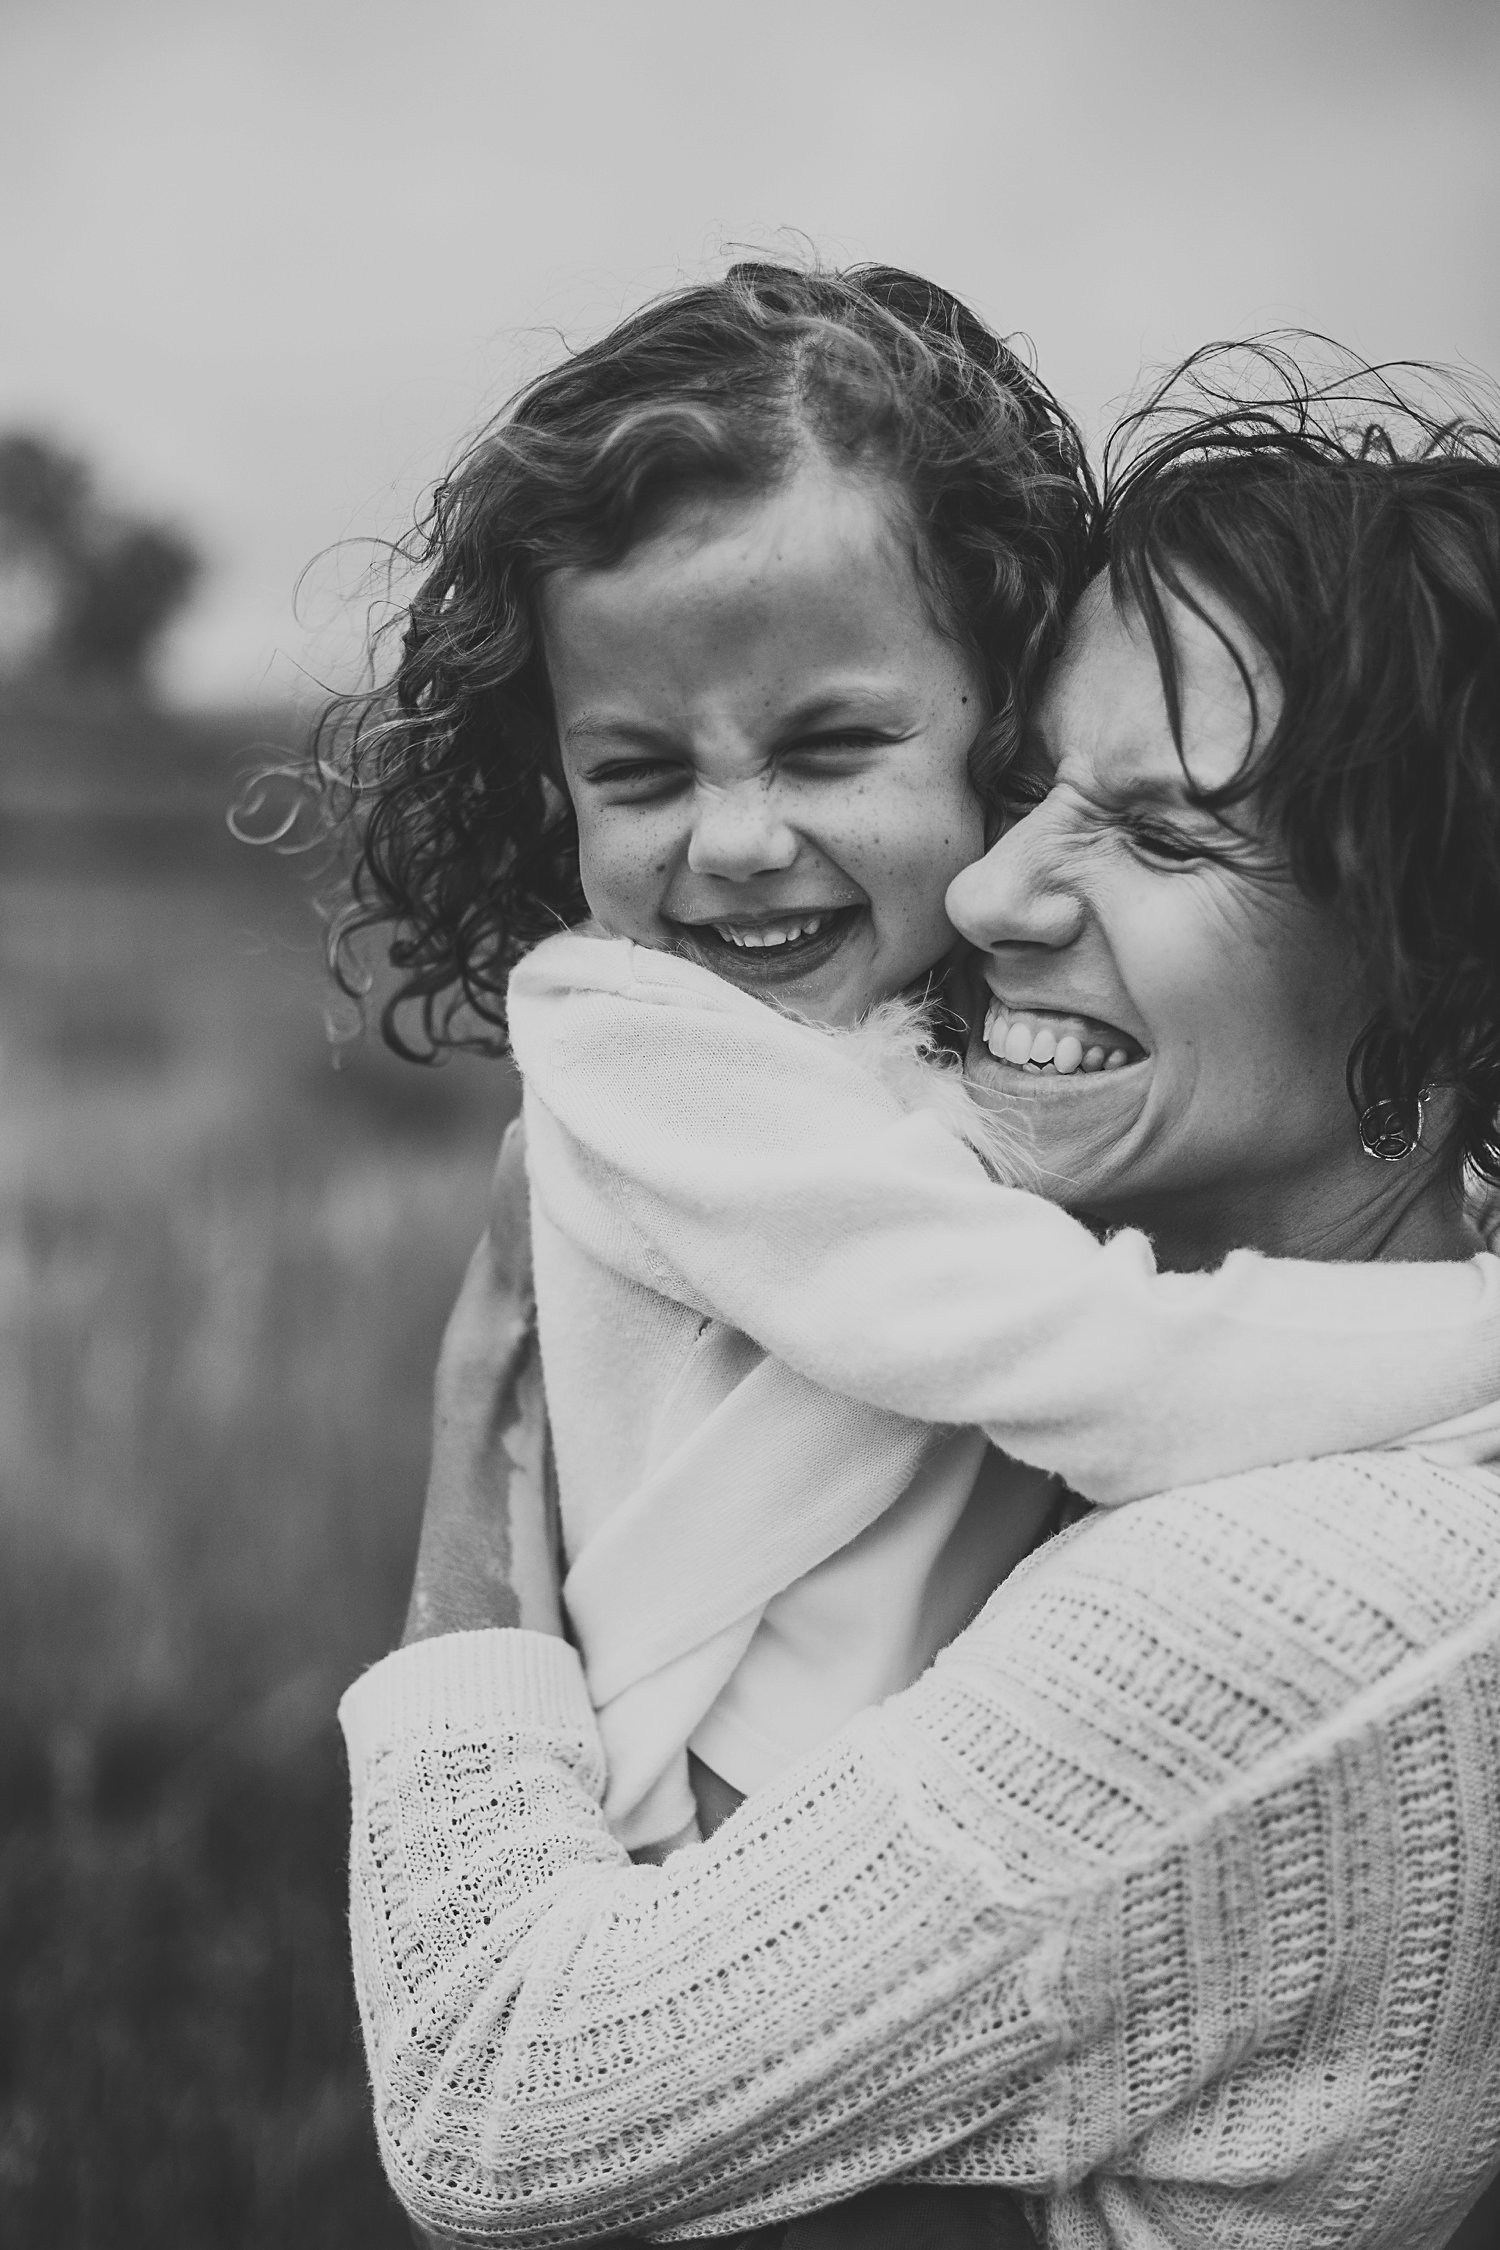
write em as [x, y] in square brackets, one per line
[772, 949]
[1041, 1041]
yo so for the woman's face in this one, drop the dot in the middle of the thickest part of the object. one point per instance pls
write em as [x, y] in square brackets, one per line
[1174, 1014]
[765, 736]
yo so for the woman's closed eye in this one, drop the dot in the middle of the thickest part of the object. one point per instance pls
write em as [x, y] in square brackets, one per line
[1167, 846]
[1157, 841]
[1198, 842]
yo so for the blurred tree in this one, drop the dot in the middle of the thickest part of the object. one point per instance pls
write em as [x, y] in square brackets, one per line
[85, 591]
[44, 492]
[119, 595]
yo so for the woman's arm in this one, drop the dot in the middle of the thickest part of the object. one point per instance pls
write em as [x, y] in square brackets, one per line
[564, 2045]
[1137, 1830]
[752, 1167]
[488, 1547]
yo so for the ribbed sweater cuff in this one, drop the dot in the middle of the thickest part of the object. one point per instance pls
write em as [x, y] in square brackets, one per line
[456, 1682]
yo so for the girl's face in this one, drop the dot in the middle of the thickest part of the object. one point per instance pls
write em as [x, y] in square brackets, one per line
[765, 737]
[1173, 1013]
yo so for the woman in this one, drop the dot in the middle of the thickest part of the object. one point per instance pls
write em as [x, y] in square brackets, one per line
[1170, 1896]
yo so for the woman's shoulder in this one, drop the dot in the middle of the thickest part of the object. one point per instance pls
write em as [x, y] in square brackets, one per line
[1169, 1660]
[1393, 1506]
[1385, 1517]
[1295, 1586]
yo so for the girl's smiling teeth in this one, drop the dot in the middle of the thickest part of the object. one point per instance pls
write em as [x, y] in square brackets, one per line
[776, 945]
[1037, 1039]
[770, 933]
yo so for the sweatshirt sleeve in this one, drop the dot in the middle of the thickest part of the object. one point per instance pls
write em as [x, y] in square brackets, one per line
[753, 1168]
[1137, 1829]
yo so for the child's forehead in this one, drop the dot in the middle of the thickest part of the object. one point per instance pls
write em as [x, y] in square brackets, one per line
[821, 506]
[824, 539]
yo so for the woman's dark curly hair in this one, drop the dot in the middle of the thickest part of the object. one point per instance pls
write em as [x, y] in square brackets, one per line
[446, 775]
[1351, 522]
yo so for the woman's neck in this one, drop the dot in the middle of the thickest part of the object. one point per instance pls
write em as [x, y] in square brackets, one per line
[1411, 1212]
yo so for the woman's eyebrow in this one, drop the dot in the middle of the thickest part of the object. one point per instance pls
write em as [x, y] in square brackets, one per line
[1151, 789]
[1127, 782]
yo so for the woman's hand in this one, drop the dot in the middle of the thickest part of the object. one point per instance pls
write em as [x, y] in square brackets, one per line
[489, 1553]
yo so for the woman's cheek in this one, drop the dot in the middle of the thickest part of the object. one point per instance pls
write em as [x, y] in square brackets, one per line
[1179, 963]
[1240, 984]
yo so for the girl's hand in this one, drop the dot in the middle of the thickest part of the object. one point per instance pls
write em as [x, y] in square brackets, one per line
[489, 1552]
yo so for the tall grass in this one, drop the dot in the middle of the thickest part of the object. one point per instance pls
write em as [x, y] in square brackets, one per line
[222, 1279]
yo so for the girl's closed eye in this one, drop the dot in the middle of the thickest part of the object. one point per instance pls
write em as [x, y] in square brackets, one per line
[637, 780]
[836, 753]
[819, 757]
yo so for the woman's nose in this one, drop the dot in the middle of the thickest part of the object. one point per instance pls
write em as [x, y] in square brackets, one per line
[1020, 893]
[738, 832]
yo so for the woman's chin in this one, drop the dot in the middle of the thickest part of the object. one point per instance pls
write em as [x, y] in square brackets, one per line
[1075, 1120]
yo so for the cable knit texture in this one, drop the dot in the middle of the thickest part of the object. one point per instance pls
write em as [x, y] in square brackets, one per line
[1170, 1894]
[773, 1275]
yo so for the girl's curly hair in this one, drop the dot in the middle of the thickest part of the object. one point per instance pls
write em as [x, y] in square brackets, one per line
[1350, 519]
[445, 776]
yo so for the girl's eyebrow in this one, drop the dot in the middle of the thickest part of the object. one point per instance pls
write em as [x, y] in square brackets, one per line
[599, 726]
[877, 705]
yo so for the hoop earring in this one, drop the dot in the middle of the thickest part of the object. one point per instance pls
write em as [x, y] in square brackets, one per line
[1392, 1131]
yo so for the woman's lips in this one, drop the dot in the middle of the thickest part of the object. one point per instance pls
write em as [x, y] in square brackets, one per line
[1043, 1040]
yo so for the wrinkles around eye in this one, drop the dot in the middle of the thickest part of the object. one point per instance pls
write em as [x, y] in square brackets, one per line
[1161, 843]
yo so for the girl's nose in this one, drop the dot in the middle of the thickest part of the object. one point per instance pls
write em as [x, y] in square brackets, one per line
[738, 832]
[1020, 893]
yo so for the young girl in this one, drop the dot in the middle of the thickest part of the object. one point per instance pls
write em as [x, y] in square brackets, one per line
[717, 624]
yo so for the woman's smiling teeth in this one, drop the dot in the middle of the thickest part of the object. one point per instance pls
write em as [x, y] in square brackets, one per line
[1035, 1039]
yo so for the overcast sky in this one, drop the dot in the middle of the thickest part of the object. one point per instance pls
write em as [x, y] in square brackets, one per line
[267, 261]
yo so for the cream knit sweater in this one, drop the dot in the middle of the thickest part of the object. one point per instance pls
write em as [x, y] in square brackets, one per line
[772, 1280]
[1170, 1894]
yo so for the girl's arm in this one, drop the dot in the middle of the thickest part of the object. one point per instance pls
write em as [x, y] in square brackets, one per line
[753, 1167]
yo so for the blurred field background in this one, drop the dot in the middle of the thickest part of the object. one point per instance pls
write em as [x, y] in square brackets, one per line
[223, 1269]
